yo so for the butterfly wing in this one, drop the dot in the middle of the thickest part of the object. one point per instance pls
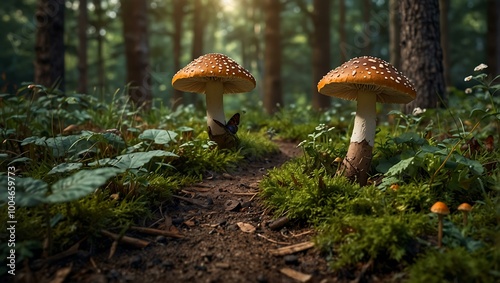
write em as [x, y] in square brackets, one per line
[232, 124]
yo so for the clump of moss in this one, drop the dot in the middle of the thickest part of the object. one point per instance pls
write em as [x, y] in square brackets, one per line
[454, 265]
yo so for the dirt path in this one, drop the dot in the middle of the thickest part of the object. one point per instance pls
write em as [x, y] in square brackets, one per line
[214, 247]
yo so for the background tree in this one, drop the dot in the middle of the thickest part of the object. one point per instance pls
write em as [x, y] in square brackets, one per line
[394, 34]
[444, 6]
[178, 17]
[321, 46]
[49, 43]
[493, 35]
[135, 33]
[421, 54]
[99, 26]
[82, 46]
[342, 32]
[273, 90]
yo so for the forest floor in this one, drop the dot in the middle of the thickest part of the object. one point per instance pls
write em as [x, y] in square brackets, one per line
[213, 247]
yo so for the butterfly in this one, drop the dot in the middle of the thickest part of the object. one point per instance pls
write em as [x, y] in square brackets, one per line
[232, 125]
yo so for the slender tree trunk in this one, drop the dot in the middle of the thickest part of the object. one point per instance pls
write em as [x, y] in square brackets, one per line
[135, 30]
[320, 51]
[367, 45]
[273, 90]
[493, 35]
[101, 77]
[199, 23]
[82, 47]
[394, 34]
[444, 6]
[49, 43]
[342, 32]
[421, 54]
[178, 16]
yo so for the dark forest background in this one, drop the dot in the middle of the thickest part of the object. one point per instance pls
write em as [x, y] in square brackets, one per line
[97, 46]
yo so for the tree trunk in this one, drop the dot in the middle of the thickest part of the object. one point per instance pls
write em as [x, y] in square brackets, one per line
[394, 34]
[49, 43]
[135, 31]
[82, 47]
[444, 6]
[342, 32]
[320, 51]
[199, 23]
[101, 77]
[273, 90]
[177, 98]
[367, 45]
[493, 38]
[421, 54]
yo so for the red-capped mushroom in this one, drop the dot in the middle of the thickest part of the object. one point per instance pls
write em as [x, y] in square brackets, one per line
[214, 75]
[367, 80]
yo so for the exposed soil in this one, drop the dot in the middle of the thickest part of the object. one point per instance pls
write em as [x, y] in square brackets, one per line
[213, 249]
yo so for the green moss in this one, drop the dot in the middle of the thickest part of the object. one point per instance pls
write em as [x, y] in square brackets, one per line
[454, 265]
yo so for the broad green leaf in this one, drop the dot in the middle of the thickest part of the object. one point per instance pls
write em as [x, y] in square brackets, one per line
[132, 160]
[410, 138]
[80, 184]
[401, 166]
[65, 167]
[29, 191]
[158, 136]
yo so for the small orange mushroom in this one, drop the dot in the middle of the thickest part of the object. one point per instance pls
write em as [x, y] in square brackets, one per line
[465, 208]
[441, 209]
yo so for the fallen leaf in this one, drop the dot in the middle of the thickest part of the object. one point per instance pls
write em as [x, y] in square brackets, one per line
[245, 227]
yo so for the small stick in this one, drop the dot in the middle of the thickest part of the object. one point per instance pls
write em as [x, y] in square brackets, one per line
[273, 241]
[292, 249]
[153, 231]
[299, 276]
[278, 223]
[192, 201]
[126, 239]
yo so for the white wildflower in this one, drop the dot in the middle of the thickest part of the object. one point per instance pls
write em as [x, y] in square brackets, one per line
[468, 78]
[480, 67]
[468, 90]
[418, 111]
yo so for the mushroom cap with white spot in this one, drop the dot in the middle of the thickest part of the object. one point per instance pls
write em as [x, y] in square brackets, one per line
[368, 75]
[210, 67]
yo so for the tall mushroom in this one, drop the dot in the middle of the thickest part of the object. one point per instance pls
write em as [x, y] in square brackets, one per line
[441, 209]
[367, 80]
[214, 75]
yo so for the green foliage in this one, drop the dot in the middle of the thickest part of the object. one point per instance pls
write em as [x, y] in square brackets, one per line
[72, 183]
[360, 238]
[454, 265]
[424, 157]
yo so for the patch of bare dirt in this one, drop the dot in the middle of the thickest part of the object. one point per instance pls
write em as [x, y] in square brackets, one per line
[225, 238]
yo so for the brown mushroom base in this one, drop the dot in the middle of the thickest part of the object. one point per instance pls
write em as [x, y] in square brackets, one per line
[227, 140]
[357, 162]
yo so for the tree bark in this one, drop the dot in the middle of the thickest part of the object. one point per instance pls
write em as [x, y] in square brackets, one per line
[273, 89]
[320, 51]
[421, 54]
[49, 43]
[137, 51]
[342, 32]
[394, 34]
[493, 38]
[199, 22]
[444, 7]
[82, 47]
[99, 25]
[177, 98]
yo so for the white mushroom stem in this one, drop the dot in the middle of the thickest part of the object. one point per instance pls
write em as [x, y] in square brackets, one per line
[359, 155]
[365, 121]
[215, 106]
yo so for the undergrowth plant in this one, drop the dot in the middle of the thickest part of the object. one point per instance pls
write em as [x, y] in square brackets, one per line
[427, 156]
[82, 165]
